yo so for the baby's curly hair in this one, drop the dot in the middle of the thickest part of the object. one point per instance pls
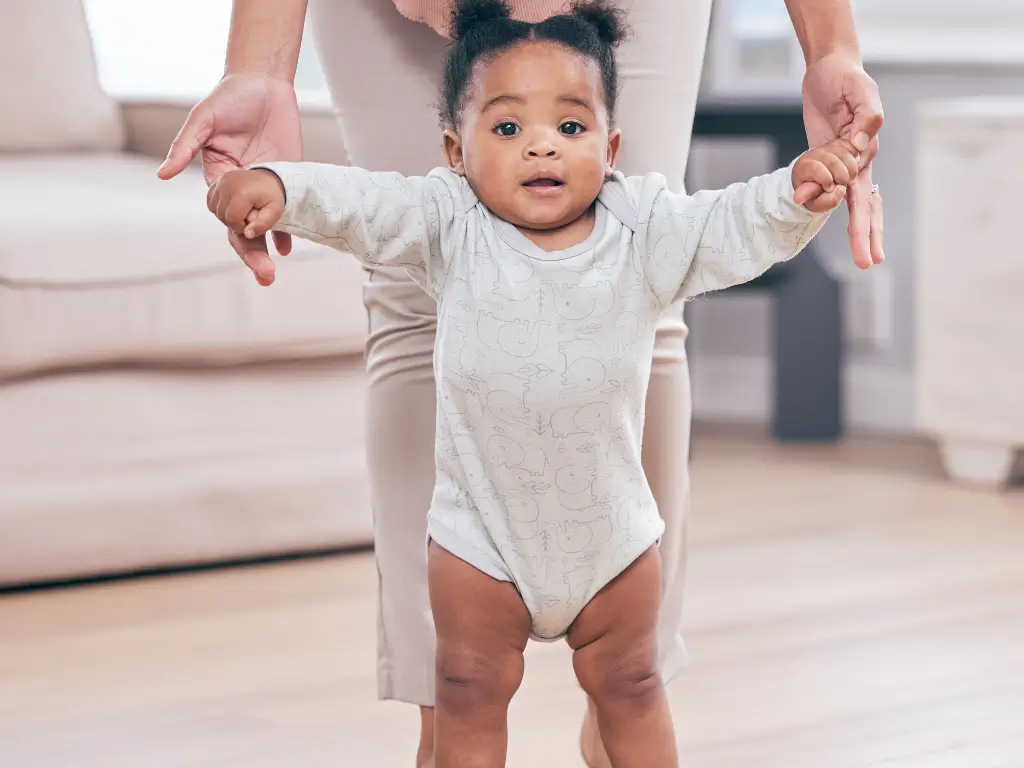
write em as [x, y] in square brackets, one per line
[480, 29]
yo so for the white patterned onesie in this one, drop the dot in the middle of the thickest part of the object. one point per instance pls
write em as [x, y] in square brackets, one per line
[542, 359]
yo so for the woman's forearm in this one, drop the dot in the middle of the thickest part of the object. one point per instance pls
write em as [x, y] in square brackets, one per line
[265, 37]
[824, 27]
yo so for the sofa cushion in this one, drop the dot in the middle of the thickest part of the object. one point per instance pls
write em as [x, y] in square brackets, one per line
[101, 263]
[52, 97]
[114, 471]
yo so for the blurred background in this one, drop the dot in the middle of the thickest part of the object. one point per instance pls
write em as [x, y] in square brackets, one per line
[185, 530]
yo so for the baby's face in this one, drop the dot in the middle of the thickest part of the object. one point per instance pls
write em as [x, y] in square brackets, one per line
[534, 141]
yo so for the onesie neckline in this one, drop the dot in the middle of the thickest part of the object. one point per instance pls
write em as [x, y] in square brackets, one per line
[612, 201]
[524, 245]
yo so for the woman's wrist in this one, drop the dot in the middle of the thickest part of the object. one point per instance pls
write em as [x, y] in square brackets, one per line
[825, 28]
[848, 51]
[265, 38]
[279, 72]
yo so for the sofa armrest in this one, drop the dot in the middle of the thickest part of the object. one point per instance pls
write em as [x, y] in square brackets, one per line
[151, 125]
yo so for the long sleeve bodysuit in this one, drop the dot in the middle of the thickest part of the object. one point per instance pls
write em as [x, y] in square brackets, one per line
[542, 359]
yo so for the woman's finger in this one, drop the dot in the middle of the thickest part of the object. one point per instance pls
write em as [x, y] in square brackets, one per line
[255, 256]
[859, 229]
[283, 243]
[187, 144]
[877, 226]
[861, 93]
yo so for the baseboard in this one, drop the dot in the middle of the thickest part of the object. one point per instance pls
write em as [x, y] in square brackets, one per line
[740, 389]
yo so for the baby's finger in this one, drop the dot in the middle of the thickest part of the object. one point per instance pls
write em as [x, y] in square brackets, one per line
[852, 163]
[221, 202]
[236, 213]
[828, 201]
[843, 144]
[262, 220]
[806, 191]
[839, 170]
[816, 171]
[869, 154]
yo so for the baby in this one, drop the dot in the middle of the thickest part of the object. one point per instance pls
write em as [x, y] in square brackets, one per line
[550, 269]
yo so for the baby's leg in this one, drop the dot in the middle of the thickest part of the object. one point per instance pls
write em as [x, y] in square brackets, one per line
[482, 629]
[616, 662]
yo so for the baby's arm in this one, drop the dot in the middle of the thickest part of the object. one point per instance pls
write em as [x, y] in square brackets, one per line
[717, 239]
[383, 219]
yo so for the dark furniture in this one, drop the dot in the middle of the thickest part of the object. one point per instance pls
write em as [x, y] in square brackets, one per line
[808, 343]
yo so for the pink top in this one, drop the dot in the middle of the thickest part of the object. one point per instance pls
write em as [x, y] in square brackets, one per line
[437, 13]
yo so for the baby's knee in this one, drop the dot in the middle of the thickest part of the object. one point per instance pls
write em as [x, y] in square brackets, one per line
[620, 673]
[469, 679]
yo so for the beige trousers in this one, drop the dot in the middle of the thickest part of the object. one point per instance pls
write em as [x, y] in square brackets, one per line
[384, 75]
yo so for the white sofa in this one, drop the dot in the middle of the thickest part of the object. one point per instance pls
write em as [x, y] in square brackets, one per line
[157, 407]
[970, 282]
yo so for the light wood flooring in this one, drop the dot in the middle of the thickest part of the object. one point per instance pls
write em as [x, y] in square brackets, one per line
[847, 608]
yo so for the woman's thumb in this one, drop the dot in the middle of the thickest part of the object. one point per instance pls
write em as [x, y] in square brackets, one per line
[867, 119]
[186, 145]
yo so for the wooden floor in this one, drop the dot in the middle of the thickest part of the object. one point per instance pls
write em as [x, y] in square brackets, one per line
[847, 608]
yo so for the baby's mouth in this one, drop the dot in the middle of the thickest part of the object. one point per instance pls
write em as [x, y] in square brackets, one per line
[543, 183]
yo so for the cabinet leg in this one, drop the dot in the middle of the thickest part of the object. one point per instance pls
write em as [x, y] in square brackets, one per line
[808, 354]
[984, 465]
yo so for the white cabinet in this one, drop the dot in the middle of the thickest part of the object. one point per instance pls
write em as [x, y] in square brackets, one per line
[969, 252]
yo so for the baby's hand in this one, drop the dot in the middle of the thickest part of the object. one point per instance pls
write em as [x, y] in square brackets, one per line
[821, 175]
[248, 202]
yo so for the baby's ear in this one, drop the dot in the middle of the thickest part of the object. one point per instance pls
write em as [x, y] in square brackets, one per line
[452, 146]
[614, 145]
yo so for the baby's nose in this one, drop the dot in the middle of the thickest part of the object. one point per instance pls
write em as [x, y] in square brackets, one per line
[543, 150]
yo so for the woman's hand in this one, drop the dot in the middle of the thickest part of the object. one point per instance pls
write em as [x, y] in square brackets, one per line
[841, 99]
[247, 118]
[249, 204]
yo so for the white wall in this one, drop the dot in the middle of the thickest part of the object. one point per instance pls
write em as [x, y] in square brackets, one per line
[942, 30]
[984, 11]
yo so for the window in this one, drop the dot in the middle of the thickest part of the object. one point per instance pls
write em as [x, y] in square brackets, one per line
[753, 51]
[162, 50]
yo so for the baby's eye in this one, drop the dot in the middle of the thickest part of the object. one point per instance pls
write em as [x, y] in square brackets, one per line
[506, 129]
[571, 128]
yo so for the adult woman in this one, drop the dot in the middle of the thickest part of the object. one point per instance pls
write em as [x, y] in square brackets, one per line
[384, 115]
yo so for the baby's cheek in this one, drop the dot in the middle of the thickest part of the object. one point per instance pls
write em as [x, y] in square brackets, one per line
[494, 178]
